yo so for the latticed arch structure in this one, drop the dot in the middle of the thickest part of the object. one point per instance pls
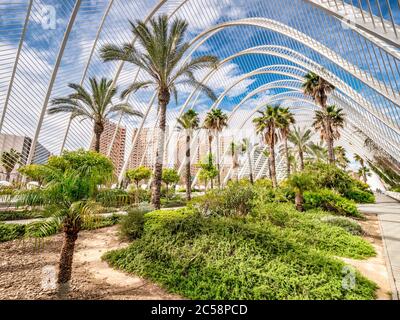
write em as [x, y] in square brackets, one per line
[265, 49]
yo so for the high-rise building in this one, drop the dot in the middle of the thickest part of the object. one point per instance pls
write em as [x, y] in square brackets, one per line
[117, 148]
[21, 145]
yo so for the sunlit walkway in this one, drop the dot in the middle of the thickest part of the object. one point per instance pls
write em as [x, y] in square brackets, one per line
[388, 211]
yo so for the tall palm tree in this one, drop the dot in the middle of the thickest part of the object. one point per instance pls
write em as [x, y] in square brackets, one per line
[189, 121]
[300, 137]
[95, 105]
[160, 56]
[216, 120]
[246, 147]
[9, 159]
[363, 168]
[235, 160]
[340, 156]
[286, 119]
[267, 125]
[319, 89]
[328, 122]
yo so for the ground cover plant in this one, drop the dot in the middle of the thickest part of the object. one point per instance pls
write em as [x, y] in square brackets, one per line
[268, 250]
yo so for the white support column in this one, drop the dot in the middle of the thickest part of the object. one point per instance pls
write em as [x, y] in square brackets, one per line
[52, 80]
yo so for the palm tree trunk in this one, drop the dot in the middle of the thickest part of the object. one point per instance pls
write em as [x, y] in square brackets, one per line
[299, 199]
[65, 264]
[218, 166]
[269, 168]
[8, 176]
[287, 157]
[188, 174]
[210, 156]
[163, 100]
[272, 157]
[98, 130]
[301, 156]
[364, 174]
[250, 166]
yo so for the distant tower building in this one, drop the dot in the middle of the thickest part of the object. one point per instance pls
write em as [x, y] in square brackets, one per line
[118, 148]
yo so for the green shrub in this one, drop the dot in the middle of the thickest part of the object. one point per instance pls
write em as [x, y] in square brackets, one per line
[359, 196]
[131, 226]
[331, 201]
[114, 198]
[245, 257]
[236, 199]
[19, 215]
[11, 231]
[349, 225]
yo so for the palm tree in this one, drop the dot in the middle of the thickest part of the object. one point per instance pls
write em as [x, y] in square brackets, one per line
[189, 121]
[216, 120]
[300, 137]
[286, 119]
[95, 105]
[328, 122]
[160, 57]
[340, 156]
[235, 160]
[246, 147]
[363, 170]
[267, 124]
[70, 190]
[319, 89]
[9, 159]
[317, 152]
[300, 182]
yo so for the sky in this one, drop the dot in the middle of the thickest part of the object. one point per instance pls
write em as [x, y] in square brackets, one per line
[49, 18]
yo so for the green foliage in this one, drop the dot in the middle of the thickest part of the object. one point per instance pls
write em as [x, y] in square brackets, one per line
[11, 231]
[246, 258]
[19, 214]
[138, 174]
[131, 226]
[300, 182]
[114, 197]
[236, 199]
[170, 176]
[359, 196]
[88, 163]
[35, 172]
[331, 201]
[348, 224]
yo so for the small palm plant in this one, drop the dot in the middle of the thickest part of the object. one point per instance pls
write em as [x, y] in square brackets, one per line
[70, 187]
[300, 182]
[189, 122]
[363, 171]
[246, 148]
[235, 161]
[340, 156]
[160, 55]
[96, 106]
[215, 121]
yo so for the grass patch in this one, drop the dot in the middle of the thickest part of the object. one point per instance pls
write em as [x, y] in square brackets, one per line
[10, 215]
[274, 253]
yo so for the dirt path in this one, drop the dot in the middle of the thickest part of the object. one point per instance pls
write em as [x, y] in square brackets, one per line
[27, 270]
[374, 268]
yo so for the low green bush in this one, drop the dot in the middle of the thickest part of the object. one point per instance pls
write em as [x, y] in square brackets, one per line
[114, 198]
[131, 226]
[330, 201]
[255, 256]
[359, 196]
[237, 198]
[10, 232]
[19, 215]
[349, 225]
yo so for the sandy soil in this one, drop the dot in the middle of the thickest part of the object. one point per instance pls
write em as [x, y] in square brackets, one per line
[373, 268]
[27, 270]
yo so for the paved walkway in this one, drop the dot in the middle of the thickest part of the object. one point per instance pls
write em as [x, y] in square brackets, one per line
[388, 211]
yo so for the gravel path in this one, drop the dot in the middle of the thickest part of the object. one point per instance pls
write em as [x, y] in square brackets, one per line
[27, 269]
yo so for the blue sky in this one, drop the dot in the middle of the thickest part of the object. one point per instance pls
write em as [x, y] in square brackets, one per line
[41, 47]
